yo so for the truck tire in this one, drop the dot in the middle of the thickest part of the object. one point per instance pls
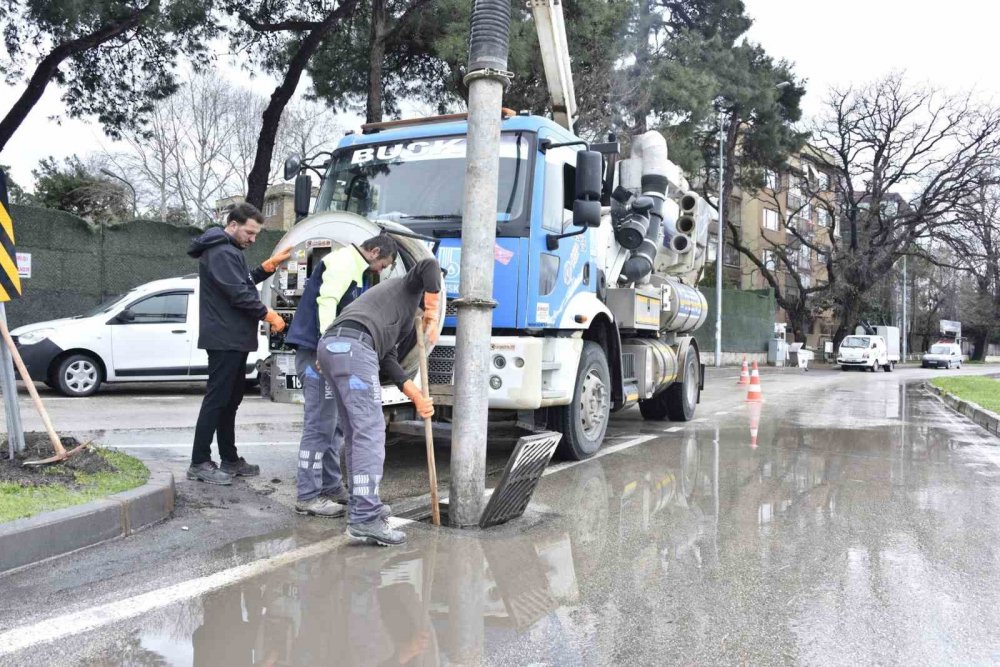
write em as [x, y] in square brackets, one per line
[682, 397]
[78, 375]
[584, 421]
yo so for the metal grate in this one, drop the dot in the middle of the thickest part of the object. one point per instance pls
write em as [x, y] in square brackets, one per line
[511, 496]
[450, 309]
[441, 365]
[628, 366]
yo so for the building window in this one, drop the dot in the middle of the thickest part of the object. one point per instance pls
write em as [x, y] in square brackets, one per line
[805, 258]
[769, 260]
[734, 213]
[806, 281]
[823, 181]
[770, 219]
[805, 213]
[822, 216]
[270, 208]
[713, 247]
[771, 179]
[730, 255]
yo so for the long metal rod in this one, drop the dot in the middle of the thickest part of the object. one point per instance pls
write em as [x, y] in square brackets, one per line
[719, 249]
[8, 383]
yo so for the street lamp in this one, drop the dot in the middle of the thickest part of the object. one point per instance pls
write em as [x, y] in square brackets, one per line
[720, 240]
[116, 176]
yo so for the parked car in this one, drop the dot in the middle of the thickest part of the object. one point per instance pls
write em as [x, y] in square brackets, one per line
[149, 334]
[943, 355]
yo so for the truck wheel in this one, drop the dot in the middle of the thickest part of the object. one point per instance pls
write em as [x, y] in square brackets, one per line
[78, 375]
[682, 397]
[584, 422]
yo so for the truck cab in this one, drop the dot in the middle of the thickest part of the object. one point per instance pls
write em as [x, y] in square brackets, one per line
[868, 352]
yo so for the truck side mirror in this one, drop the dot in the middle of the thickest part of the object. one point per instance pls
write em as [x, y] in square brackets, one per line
[303, 196]
[589, 182]
[292, 165]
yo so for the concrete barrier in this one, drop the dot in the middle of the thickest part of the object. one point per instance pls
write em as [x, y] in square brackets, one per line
[24, 542]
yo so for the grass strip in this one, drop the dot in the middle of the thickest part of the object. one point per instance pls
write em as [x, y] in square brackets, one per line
[18, 501]
[983, 391]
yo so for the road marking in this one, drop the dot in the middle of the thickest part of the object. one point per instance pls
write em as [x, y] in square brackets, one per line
[67, 625]
[722, 412]
[172, 445]
[159, 398]
[604, 451]
[673, 429]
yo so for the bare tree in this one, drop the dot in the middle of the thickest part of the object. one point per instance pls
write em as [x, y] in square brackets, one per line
[888, 138]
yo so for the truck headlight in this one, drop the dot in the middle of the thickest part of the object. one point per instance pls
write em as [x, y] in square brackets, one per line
[33, 337]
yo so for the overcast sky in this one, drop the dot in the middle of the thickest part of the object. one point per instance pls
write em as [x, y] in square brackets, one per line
[949, 44]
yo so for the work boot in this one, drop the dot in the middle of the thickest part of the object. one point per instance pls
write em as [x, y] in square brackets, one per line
[240, 468]
[343, 497]
[377, 532]
[320, 506]
[209, 473]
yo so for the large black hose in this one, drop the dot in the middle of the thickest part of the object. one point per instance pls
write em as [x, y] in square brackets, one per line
[489, 35]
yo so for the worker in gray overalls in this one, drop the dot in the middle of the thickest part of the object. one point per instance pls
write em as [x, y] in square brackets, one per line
[363, 340]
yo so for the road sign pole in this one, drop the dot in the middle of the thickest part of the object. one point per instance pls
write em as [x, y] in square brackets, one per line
[8, 385]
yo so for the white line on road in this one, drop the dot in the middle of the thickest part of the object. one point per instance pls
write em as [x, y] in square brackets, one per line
[604, 451]
[86, 620]
[158, 398]
[673, 429]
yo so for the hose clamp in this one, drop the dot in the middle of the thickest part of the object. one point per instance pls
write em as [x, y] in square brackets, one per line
[503, 76]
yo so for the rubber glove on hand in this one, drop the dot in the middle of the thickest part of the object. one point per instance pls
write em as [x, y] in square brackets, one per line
[274, 319]
[424, 405]
[432, 306]
[271, 263]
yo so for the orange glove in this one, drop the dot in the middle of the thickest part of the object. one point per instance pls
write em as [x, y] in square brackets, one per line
[274, 319]
[271, 263]
[424, 405]
[432, 306]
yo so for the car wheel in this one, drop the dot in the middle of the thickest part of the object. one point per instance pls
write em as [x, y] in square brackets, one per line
[79, 375]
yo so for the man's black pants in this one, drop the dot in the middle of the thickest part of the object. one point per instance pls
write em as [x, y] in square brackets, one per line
[223, 395]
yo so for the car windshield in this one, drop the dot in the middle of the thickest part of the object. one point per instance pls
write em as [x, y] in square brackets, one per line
[940, 349]
[856, 341]
[106, 306]
[421, 183]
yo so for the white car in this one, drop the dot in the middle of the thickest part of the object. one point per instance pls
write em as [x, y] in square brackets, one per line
[150, 334]
[946, 355]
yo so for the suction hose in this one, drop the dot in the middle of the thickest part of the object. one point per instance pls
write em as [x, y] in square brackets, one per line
[651, 147]
[489, 35]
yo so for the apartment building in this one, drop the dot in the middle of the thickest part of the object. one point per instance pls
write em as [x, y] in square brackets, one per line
[799, 200]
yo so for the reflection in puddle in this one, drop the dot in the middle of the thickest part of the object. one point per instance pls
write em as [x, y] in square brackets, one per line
[696, 548]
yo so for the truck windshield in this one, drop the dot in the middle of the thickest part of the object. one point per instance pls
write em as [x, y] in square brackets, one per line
[856, 341]
[421, 183]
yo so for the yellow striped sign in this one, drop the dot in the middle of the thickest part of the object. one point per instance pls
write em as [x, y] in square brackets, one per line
[10, 281]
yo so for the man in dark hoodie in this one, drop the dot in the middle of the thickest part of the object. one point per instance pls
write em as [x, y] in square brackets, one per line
[364, 339]
[229, 311]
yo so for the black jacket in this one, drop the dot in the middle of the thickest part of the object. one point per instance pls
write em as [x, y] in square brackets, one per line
[229, 307]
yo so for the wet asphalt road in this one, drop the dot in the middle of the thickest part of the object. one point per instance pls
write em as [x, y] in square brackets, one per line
[861, 529]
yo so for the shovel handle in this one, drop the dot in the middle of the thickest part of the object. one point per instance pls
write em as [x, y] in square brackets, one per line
[428, 428]
[9, 342]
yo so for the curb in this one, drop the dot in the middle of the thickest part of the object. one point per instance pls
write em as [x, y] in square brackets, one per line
[48, 535]
[981, 416]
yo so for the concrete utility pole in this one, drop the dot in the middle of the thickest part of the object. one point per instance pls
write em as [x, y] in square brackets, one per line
[720, 245]
[487, 78]
[905, 337]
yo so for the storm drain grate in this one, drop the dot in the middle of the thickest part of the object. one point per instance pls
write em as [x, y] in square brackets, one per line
[511, 496]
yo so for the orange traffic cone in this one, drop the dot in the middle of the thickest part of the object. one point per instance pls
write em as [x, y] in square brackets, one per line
[744, 373]
[753, 389]
[755, 409]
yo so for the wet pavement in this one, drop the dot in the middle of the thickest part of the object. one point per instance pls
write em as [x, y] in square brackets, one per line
[860, 528]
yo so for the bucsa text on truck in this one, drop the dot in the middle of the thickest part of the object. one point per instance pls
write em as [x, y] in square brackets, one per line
[595, 263]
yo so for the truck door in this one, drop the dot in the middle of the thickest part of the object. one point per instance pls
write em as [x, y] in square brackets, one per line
[151, 337]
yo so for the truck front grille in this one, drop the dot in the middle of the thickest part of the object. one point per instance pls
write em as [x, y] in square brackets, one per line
[441, 365]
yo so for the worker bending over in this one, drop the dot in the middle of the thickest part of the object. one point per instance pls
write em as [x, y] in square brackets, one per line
[362, 340]
[333, 285]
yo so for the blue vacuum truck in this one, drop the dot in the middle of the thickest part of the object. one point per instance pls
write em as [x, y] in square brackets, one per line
[596, 260]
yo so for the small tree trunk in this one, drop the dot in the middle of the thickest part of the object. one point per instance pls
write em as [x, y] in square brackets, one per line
[376, 58]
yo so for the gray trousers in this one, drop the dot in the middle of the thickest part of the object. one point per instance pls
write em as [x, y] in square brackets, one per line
[351, 367]
[322, 439]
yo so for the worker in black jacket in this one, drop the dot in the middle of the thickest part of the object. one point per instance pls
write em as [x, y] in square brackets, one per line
[364, 339]
[229, 310]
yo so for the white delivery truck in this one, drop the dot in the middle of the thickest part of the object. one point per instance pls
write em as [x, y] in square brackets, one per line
[870, 348]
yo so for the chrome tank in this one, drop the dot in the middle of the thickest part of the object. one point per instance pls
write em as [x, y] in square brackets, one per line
[684, 307]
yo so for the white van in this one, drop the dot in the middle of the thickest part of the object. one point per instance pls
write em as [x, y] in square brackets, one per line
[868, 352]
[150, 334]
